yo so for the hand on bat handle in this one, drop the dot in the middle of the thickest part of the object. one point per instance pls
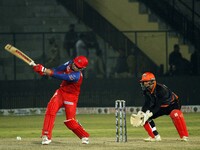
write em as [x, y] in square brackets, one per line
[42, 70]
[39, 69]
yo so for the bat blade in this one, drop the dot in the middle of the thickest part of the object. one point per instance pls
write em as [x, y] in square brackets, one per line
[18, 53]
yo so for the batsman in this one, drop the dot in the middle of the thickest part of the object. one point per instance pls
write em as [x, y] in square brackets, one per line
[66, 95]
[159, 101]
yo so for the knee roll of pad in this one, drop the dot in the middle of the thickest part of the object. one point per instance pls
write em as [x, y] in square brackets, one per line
[72, 124]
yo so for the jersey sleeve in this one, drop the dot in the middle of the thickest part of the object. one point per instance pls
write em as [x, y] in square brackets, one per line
[61, 67]
[160, 96]
[152, 103]
[71, 77]
[156, 107]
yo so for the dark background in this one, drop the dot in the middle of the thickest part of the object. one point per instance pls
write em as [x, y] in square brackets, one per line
[94, 92]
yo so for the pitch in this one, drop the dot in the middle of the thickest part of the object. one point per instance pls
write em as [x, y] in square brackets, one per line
[101, 129]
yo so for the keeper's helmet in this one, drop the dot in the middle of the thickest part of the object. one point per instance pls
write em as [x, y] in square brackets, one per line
[148, 81]
[80, 62]
[147, 76]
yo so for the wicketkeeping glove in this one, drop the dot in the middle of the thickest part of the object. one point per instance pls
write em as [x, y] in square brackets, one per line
[146, 116]
[137, 119]
[39, 69]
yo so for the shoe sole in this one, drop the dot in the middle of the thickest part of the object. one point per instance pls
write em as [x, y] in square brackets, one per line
[46, 143]
[152, 140]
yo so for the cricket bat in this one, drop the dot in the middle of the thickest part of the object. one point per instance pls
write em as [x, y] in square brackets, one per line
[18, 53]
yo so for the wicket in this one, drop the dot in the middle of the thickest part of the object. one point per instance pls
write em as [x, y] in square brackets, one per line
[120, 116]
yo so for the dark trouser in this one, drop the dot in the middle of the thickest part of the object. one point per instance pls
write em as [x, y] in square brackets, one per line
[150, 126]
[167, 110]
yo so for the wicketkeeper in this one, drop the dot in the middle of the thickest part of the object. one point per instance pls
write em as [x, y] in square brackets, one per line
[159, 101]
[67, 95]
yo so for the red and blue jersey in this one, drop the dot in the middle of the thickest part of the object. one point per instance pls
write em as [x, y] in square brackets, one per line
[72, 80]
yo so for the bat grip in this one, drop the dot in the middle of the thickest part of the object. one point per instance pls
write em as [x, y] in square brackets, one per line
[32, 63]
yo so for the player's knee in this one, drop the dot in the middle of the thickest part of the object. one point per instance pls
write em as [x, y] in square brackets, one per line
[176, 113]
[71, 124]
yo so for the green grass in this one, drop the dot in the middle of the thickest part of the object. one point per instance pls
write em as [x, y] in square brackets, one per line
[101, 129]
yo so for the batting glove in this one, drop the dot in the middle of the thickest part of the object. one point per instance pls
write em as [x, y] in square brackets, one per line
[39, 69]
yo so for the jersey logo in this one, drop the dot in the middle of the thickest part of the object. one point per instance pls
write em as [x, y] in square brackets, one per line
[71, 77]
[68, 103]
[176, 115]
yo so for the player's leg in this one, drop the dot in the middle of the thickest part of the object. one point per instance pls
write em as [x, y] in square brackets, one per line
[150, 127]
[72, 124]
[52, 108]
[179, 122]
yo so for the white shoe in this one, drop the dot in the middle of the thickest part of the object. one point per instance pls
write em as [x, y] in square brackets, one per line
[85, 140]
[157, 138]
[45, 140]
[184, 138]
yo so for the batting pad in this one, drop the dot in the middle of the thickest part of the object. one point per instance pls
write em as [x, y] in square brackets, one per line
[76, 128]
[179, 122]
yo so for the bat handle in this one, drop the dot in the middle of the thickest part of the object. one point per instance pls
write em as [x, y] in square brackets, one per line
[32, 63]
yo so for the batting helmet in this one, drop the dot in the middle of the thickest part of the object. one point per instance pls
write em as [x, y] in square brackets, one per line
[148, 76]
[81, 62]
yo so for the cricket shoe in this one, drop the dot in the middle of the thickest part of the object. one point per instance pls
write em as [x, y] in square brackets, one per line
[45, 140]
[185, 139]
[157, 138]
[85, 140]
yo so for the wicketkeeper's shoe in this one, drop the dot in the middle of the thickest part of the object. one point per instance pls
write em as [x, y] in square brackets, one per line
[45, 140]
[184, 138]
[85, 140]
[157, 138]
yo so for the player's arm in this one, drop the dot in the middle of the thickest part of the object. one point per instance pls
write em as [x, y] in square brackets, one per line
[154, 109]
[162, 94]
[71, 77]
[59, 69]
[153, 101]
[62, 67]
[57, 72]
[147, 103]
